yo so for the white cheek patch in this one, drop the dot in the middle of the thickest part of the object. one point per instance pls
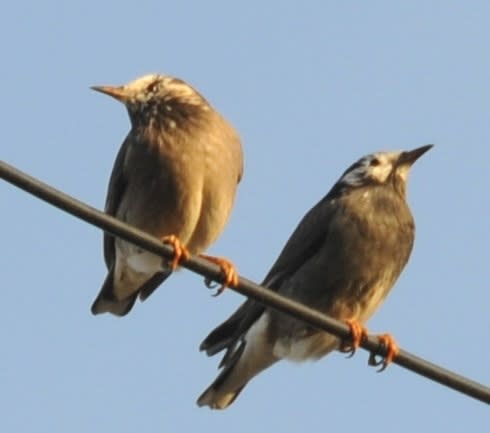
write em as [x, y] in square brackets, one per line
[381, 172]
[142, 97]
[402, 171]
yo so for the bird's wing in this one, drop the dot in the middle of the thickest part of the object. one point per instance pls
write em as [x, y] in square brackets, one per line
[117, 186]
[305, 241]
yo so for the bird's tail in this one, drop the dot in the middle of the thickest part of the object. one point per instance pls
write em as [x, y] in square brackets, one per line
[219, 395]
[243, 360]
[106, 302]
[216, 400]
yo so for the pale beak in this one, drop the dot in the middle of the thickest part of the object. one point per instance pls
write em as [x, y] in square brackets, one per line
[116, 92]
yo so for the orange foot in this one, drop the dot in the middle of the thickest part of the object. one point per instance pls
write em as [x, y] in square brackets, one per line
[180, 251]
[227, 268]
[358, 333]
[392, 352]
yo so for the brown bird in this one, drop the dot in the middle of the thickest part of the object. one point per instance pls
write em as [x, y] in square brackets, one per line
[342, 259]
[175, 177]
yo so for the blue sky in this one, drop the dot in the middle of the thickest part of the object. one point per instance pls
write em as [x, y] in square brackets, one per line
[311, 88]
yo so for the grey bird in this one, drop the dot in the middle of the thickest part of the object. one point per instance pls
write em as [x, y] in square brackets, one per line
[342, 259]
[175, 177]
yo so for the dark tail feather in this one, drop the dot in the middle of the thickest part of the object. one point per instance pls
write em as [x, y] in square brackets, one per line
[152, 284]
[221, 337]
[250, 350]
[214, 397]
[207, 398]
[226, 334]
[106, 303]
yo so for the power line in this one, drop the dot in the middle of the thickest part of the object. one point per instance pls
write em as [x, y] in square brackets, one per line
[245, 286]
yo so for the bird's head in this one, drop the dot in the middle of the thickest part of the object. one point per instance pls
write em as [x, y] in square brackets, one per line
[157, 97]
[381, 168]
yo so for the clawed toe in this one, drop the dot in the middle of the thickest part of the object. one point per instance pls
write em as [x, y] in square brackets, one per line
[228, 270]
[392, 352]
[181, 253]
[358, 333]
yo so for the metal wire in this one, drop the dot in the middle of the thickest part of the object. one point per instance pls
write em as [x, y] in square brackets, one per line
[245, 286]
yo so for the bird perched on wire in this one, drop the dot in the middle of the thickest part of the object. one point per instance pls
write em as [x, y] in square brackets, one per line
[342, 259]
[174, 177]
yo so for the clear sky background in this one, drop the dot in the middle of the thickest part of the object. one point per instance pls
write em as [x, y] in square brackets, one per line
[311, 86]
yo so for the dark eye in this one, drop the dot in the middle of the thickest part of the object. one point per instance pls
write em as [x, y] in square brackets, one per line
[375, 162]
[152, 87]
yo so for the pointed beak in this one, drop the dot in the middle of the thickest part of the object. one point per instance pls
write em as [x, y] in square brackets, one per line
[116, 92]
[408, 158]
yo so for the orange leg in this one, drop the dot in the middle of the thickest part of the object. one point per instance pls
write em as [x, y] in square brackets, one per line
[180, 251]
[227, 268]
[392, 352]
[358, 333]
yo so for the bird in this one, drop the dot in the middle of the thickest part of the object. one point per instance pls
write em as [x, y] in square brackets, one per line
[174, 177]
[342, 260]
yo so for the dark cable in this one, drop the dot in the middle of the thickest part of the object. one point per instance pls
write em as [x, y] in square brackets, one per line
[245, 286]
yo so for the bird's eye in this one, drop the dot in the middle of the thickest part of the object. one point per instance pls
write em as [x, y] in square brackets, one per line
[152, 87]
[375, 162]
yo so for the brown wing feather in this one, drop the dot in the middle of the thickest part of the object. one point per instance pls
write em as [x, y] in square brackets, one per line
[301, 246]
[115, 191]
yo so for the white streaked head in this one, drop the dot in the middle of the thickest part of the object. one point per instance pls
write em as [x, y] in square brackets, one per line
[379, 167]
[153, 87]
[375, 167]
[155, 97]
